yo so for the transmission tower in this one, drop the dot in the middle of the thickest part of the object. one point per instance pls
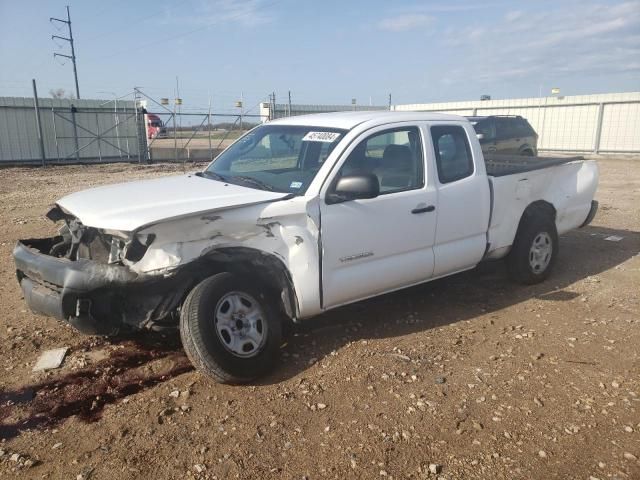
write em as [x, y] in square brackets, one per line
[73, 52]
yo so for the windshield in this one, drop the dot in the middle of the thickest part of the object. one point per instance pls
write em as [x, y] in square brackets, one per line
[279, 158]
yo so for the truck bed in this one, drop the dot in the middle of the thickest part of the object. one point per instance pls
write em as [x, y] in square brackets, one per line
[567, 184]
[501, 165]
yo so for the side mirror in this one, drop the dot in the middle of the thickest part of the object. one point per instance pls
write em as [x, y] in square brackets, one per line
[354, 187]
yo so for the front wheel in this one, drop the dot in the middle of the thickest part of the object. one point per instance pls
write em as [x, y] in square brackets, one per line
[229, 330]
[534, 250]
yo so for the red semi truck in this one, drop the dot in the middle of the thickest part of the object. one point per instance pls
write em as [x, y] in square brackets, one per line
[155, 127]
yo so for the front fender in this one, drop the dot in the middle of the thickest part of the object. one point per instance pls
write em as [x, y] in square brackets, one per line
[280, 230]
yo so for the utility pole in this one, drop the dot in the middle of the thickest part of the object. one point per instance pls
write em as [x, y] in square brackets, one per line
[73, 52]
[389, 101]
[289, 102]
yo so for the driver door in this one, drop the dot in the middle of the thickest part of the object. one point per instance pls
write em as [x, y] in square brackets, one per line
[371, 246]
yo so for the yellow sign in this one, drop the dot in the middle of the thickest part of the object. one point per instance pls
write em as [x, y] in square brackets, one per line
[164, 101]
[555, 91]
[178, 101]
[239, 104]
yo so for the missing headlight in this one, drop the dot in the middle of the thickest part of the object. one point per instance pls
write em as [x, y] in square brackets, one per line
[135, 250]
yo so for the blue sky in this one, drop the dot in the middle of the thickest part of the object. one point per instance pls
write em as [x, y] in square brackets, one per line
[325, 51]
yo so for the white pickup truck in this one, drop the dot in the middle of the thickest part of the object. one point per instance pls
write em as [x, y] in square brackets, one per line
[299, 216]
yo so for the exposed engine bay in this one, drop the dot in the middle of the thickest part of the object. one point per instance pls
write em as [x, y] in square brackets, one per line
[110, 247]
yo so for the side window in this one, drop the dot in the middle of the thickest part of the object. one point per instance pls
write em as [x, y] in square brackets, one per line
[503, 128]
[523, 128]
[394, 156]
[453, 155]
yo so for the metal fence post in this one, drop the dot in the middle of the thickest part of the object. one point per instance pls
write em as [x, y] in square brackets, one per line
[209, 131]
[175, 133]
[98, 136]
[38, 123]
[596, 142]
[117, 120]
[75, 132]
[55, 134]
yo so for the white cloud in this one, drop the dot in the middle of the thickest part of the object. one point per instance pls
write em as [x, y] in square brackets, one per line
[404, 22]
[581, 38]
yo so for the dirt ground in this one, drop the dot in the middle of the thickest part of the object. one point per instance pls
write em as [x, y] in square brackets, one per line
[469, 377]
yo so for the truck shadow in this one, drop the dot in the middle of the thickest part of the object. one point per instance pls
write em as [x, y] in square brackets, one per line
[583, 253]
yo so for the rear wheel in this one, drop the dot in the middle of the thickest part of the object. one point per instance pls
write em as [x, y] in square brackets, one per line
[229, 329]
[534, 250]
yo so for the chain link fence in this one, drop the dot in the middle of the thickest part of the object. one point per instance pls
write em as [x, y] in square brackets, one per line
[193, 137]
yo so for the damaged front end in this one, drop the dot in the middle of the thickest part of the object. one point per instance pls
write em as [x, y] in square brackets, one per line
[82, 276]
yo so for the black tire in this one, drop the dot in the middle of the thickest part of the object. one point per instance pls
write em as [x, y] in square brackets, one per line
[204, 344]
[527, 153]
[524, 265]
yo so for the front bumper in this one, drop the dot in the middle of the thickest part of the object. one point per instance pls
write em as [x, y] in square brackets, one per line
[96, 298]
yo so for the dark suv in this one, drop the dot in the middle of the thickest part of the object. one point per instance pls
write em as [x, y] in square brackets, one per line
[506, 134]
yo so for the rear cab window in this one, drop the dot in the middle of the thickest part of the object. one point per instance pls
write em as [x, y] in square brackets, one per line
[453, 153]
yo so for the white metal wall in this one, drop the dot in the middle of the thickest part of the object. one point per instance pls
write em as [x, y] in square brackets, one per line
[606, 123]
[19, 135]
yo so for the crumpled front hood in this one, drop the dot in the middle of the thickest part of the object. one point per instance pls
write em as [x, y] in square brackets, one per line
[130, 206]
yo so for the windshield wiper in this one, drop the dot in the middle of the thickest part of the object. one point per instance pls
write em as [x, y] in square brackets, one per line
[212, 175]
[255, 182]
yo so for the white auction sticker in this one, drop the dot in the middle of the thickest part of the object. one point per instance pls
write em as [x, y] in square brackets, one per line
[328, 137]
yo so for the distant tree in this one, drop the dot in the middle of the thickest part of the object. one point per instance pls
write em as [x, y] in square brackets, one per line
[61, 93]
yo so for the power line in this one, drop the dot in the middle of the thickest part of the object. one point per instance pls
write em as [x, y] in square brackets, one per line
[73, 52]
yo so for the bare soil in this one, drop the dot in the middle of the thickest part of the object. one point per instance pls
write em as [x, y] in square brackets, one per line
[473, 375]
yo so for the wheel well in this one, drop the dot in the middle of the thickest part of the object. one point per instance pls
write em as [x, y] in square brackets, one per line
[539, 207]
[526, 150]
[264, 268]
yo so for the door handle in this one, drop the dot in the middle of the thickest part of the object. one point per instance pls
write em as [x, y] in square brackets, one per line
[430, 208]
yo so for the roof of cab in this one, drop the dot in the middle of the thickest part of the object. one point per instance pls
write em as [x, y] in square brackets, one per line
[348, 120]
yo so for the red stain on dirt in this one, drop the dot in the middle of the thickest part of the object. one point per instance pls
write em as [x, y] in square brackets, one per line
[84, 393]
